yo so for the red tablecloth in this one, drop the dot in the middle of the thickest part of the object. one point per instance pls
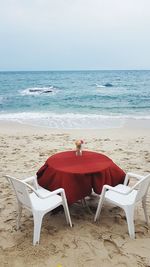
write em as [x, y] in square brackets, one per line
[79, 174]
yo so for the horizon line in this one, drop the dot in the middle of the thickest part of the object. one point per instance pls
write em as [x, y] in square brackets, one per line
[67, 70]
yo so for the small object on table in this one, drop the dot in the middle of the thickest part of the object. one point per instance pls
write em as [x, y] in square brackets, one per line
[78, 144]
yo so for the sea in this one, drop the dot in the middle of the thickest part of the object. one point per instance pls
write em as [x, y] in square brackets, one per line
[75, 99]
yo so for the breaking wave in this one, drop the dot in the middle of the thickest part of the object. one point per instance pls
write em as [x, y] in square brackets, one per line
[39, 91]
[104, 85]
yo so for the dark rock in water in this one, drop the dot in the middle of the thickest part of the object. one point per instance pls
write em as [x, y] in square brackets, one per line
[108, 84]
[34, 90]
[46, 91]
[41, 91]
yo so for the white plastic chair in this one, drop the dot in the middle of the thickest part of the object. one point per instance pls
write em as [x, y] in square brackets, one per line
[126, 197]
[38, 200]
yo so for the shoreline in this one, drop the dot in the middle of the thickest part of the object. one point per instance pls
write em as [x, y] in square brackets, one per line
[70, 121]
[130, 124]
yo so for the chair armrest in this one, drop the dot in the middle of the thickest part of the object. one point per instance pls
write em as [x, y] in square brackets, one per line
[50, 194]
[108, 187]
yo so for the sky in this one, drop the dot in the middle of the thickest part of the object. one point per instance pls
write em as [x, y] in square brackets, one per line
[74, 34]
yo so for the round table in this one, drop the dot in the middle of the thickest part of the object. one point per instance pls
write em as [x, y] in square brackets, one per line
[78, 175]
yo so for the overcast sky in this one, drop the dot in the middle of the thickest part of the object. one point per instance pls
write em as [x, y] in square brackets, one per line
[74, 34]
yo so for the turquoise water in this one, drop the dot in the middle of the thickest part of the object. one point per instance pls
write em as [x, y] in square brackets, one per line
[75, 99]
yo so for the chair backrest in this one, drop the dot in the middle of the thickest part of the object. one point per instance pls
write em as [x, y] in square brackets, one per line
[142, 187]
[21, 190]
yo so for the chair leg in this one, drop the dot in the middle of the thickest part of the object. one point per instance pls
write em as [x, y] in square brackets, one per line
[144, 208]
[67, 214]
[98, 211]
[129, 211]
[85, 205]
[19, 215]
[83, 202]
[37, 227]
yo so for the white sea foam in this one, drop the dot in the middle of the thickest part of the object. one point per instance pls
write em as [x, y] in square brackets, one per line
[71, 121]
[39, 91]
[100, 86]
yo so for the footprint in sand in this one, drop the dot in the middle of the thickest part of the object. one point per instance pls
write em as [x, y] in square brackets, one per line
[115, 253]
[111, 248]
[141, 230]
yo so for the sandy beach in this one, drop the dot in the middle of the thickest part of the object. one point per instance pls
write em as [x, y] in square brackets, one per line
[24, 149]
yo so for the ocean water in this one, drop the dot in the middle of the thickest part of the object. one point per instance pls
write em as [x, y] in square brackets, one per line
[75, 99]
